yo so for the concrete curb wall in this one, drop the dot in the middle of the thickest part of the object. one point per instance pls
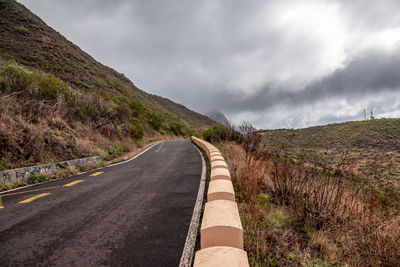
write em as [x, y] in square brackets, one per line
[220, 189]
[23, 174]
[221, 233]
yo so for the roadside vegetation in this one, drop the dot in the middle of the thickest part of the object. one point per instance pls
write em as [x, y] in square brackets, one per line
[44, 120]
[296, 211]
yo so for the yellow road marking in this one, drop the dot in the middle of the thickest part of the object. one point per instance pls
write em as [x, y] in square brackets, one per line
[96, 173]
[29, 191]
[34, 198]
[73, 183]
[1, 204]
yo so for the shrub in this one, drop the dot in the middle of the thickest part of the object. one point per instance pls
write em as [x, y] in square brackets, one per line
[122, 112]
[113, 151]
[22, 30]
[220, 133]
[136, 106]
[14, 79]
[42, 86]
[155, 120]
[37, 178]
[87, 110]
[6, 56]
[5, 165]
[49, 86]
[136, 129]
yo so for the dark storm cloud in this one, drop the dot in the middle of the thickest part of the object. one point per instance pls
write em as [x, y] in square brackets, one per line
[372, 73]
[274, 63]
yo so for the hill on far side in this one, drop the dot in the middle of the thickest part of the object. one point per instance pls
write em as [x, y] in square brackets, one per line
[381, 134]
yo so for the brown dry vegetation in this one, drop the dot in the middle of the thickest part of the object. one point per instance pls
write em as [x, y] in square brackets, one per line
[294, 213]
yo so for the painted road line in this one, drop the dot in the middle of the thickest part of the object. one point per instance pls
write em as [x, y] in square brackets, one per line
[74, 183]
[158, 149]
[141, 153]
[30, 191]
[96, 173]
[1, 204]
[34, 198]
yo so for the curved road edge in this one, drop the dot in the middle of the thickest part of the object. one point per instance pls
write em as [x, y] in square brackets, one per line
[188, 250]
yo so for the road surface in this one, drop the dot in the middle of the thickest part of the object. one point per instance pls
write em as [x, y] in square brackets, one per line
[133, 214]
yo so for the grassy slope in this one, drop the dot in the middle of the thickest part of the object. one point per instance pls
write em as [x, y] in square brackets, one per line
[382, 134]
[86, 109]
[30, 42]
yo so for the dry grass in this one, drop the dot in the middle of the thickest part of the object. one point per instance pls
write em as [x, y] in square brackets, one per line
[296, 214]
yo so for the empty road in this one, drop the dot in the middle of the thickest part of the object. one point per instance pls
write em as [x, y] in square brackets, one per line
[133, 214]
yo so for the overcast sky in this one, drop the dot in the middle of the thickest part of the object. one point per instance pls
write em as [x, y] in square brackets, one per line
[276, 64]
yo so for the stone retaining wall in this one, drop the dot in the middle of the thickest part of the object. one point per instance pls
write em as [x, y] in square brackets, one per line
[23, 174]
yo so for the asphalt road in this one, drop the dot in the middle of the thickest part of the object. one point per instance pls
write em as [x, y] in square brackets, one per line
[133, 214]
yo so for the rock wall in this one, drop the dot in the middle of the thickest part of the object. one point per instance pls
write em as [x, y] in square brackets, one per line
[23, 174]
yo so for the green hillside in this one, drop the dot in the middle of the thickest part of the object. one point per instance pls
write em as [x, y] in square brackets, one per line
[57, 102]
[382, 134]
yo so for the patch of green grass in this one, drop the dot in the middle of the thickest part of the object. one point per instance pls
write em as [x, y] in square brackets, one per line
[113, 151]
[12, 186]
[21, 30]
[5, 165]
[37, 178]
[6, 56]
[42, 86]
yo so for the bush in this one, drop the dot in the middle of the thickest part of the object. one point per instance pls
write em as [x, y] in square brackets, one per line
[22, 30]
[42, 86]
[113, 151]
[136, 129]
[219, 133]
[37, 178]
[49, 86]
[155, 120]
[122, 112]
[14, 79]
[87, 110]
[5, 165]
[6, 56]
[136, 106]
[179, 128]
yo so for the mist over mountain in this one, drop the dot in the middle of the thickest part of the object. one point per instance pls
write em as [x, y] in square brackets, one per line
[218, 116]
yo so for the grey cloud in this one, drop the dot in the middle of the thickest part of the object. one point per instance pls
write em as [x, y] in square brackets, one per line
[374, 72]
[240, 56]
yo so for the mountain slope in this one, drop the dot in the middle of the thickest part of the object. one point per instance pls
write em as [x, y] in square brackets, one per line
[57, 102]
[26, 38]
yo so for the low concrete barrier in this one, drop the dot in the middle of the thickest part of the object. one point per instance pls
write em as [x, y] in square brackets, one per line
[221, 256]
[220, 173]
[212, 151]
[215, 153]
[221, 225]
[218, 164]
[220, 190]
[216, 157]
[221, 233]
